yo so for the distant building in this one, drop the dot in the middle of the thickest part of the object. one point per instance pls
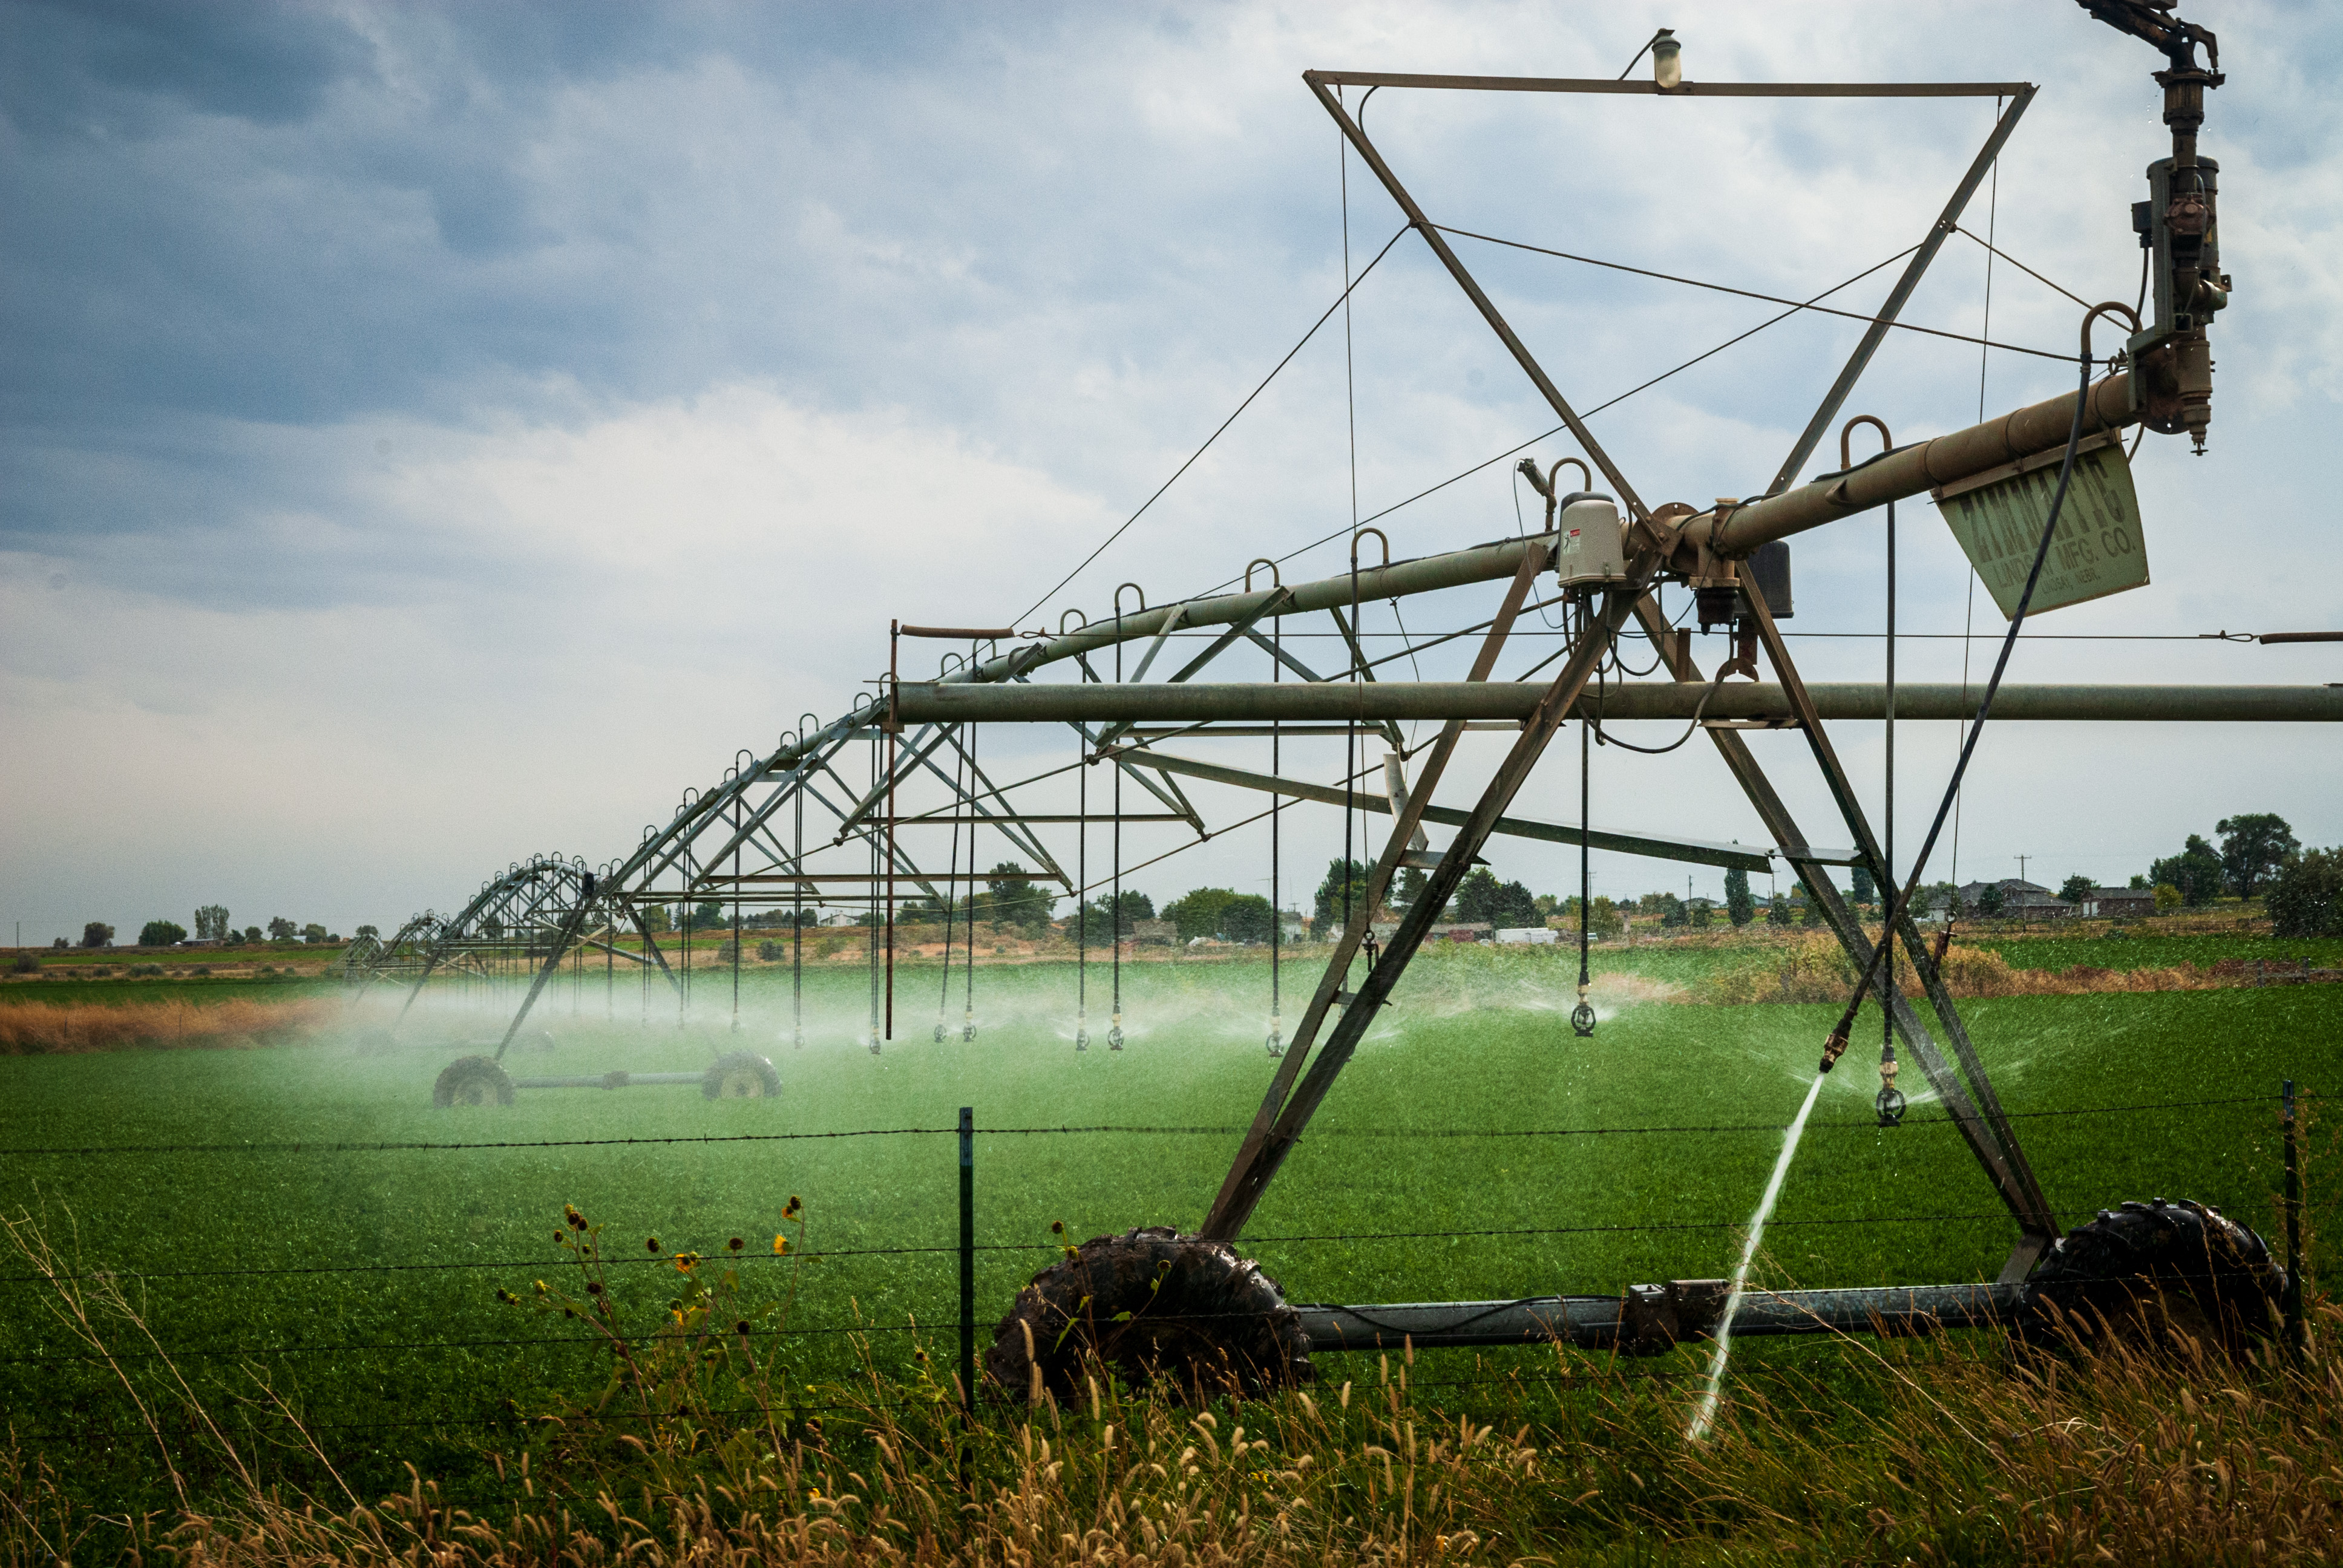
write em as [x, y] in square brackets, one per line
[2026, 901]
[2119, 903]
[1534, 936]
[1473, 931]
[1154, 931]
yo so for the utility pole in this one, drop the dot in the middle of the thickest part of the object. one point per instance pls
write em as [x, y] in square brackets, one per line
[2021, 860]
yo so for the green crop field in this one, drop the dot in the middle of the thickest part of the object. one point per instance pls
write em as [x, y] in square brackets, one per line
[2130, 952]
[1473, 1149]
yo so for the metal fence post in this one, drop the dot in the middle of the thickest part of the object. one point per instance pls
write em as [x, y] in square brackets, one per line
[967, 1268]
[2297, 1338]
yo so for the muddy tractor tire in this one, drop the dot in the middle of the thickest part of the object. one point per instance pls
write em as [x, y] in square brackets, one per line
[1159, 1309]
[472, 1081]
[742, 1075]
[2149, 1271]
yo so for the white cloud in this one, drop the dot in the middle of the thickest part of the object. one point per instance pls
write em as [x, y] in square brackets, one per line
[694, 369]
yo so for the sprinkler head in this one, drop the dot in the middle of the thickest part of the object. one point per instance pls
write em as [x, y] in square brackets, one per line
[939, 1032]
[1081, 1031]
[1114, 1033]
[1890, 1100]
[1582, 1020]
[967, 1030]
[1833, 1048]
[1276, 1042]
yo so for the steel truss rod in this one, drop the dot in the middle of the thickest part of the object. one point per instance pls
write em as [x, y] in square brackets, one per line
[1291, 1098]
[1682, 90]
[2041, 1224]
[1649, 1319]
[1365, 672]
[1500, 700]
[1841, 920]
[1023, 838]
[1357, 137]
[1913, 270]
[1271, 605]
[1655, 846]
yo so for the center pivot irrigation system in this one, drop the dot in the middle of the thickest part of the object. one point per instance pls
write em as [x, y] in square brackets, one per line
[851, 814]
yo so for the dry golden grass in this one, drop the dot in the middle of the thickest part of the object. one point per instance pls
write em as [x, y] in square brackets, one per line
[1943, 1450]
[44, 1028]
[1813, 968]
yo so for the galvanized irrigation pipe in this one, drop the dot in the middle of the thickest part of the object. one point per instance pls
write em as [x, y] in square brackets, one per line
[931, 702]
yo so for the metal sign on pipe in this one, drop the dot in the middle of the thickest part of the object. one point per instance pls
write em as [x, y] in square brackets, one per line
[2100, 547]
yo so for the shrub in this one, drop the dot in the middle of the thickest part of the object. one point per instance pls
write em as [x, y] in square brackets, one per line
[97, 934]
[2306, 899]
[25, 964]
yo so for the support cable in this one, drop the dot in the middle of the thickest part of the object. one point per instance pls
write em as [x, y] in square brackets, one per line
[1984, 354]
[1599, 407]
[1350, 284]
[1746, 294]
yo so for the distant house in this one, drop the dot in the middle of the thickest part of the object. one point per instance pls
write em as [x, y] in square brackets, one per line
[1534, 936]
[2023, 899]
[2119, 903]
[1163, 931]
[1473, 931]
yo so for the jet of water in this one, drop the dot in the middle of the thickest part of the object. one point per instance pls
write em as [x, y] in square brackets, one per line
[1707, 1412]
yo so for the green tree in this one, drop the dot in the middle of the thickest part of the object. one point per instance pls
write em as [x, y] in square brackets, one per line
[97, 934]
[2167, 898]
[211, 923]
[1408, 888]
[1867, 891]
[162, 934]
[1739, 905]
[1247, 917]
[252, 933]
[708, 916]
[1476, 897]
[1342, 876]
[1608, 920]
[1671, 911]
[281, 929]
[2077, 888]
[314, 933]
[1781, 910]
[2195, 872]
[2253, 847]
[1098, 924]
[1016, 899]
[1988, 900]
[2306, 897]
[1197, 913]
[1700, 915]
[1515, 908]
[2138, 881]
[369, 933]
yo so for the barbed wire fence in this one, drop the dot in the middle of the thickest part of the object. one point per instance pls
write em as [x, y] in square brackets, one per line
[945, 1315]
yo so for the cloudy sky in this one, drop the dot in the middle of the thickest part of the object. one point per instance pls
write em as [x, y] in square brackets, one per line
[435, 434]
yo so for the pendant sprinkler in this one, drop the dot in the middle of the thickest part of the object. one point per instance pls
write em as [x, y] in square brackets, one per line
[1890, 1101]
[1582, 1017]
